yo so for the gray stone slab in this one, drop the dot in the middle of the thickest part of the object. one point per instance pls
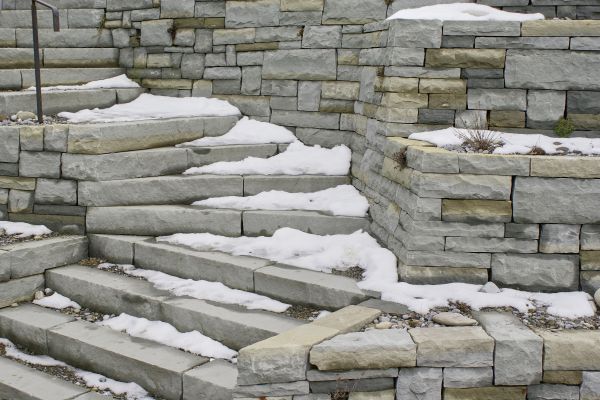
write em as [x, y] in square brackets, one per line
[273, 389]
[17, 290]
[39, 164]
[354, 11]
[300, 64]
[297, 285]
[115, 248]
[9, 145]
[162, 220]
[55, 102]
[134, 164]
[199, 156]
[461, 186]
[233, 271]
[483, 28]
[518, 353]
[468, 377]
[157, 368]
[314, 375]
[491, 245]
[81, 57]
[35, 257]
[254, 184]
[261, 223]
[545, 272]
[552, 392]
[56, 192]
[590, 386]
[419, 384]
[362, 385]
[176, 189]
[590, 237]
[212, 381]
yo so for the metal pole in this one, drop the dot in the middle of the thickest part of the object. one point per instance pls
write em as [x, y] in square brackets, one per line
[36, 58]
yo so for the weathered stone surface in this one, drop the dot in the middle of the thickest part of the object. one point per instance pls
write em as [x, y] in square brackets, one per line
[486, 393]
[559, 238]
[590, 387]
[177, 8]
[465, 58]
[493, 164]
[544, 108]
[545, 200]
[361, 385]
[115, 248]
[300, 64]
[58, 192]
[354, 11]
[568, 167]
[362, 350]
[563, 377]
[432, 159]
[549, 69]
[561, 28]
[590, 237]
[213, 380]
[453, 347]
[571, 350]
[157, 33]
[552, 392]
[461, 186]
[39, 164]
[273, 389]
[314, 375]
[473, 211]
[453, 319]
[20, 201]
[518, 353]
[379, 395]
[9, 145]
[240, 14]
[547, 272]
[322, 37]
[468, 377]
[348, 319]
[415, 33]
[419, 384]
[498, 99]
[17, 290]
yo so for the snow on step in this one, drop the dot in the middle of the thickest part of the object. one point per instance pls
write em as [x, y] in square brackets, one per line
[68, 76]
[298, 159]
[199, 156]
[463, 12]
[115, 82]
[22, 229]
[262, 223]
[342, 200]
[255, 184]
[234, 326]
[148, 106]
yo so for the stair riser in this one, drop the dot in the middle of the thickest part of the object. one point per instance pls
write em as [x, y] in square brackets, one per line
[60, 58]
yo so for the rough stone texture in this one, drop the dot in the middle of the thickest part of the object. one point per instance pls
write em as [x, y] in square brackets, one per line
[213, 380]
[590, 387]
[419, 384]
[17, 290]
[362, 350]
[468, 377]
[559, 238]
[518, 353]
[453, 347]
[552, 392]
[299, 64]
[571, 350]
[354, 11]
[57, 192]
[486, 393]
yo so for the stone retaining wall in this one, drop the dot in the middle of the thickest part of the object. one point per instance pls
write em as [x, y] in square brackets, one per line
[499, 359]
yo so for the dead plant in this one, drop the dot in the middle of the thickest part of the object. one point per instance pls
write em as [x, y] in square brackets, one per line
[480, 140]
[400, 158]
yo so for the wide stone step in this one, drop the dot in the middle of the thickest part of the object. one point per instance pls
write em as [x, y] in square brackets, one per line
[60, 57]
[157, 368]
[81, 17]
[141, 135]
[234, 326]
[66, 38]
[289, 284]
[169, 219]
[18, 79]
[185, 189]
[18, 381]
[73, 100]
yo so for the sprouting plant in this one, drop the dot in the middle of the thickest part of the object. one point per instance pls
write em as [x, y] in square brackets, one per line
[564, 127]
[400, 158]
[480, 140]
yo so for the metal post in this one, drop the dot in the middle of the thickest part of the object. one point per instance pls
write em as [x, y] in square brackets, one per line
[37, 63]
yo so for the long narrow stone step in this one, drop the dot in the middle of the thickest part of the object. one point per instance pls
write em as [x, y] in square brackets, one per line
[18, 79]
[289, 284]
[18, 381]
[60, 57]
[157, 368]
[236, 327]
[72, 100]
[96, 38]
[167, 220]
[185, 189]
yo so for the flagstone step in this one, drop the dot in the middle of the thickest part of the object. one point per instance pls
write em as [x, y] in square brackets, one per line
[83, 57]
[19, 79]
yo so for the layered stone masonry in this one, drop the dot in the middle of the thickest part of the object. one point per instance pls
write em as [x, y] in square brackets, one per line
[499, 359]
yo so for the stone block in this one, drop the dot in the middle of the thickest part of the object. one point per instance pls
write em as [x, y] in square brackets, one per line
[287, 389]
[60, 192]
[590, 237]
[354, 11]
[18, 290]
[432, 159]
[20, 201]
[559, 238]
[239, 14]
[552, 392]
[493, 164]
[482, 28]
[40, 164]
[491, 245]
[522, 231]
[9, 144]
[486, 393]
[545, 108]
[157, 33]
[475, 211]
[465, 347]
[375, 349]
[468, 377]
[461, 186]
[507, 119]
[441, 275]
[590, 387]
[568, 167]
[213, 380]
[465, 58]
[419, 384]
[300, 64]
[522, 42]
[442, 86]
[32, 138]
[379, 395]
[571, 350]
[561, 28]
[322, 37]
[118, 249]
[415, 33]
[177, 8]
[544, 272]
[498, 99]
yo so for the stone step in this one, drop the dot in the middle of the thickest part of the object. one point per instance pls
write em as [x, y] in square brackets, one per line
[289, 284]
[185, 189]
[199, 156]
[171, 219]
[234, 326]
[11, 58]
[66, 38]
[73, 100]
[117, 137]
[69, 18]
[18, 79]
[61, 4]
[157, 368]
[18, 381]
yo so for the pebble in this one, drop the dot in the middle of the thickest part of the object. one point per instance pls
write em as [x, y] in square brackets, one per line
[384, 325]
[14, 305]
[25, 115]
[453, 319]
[490, 287]
[39, 295]
[597, 297]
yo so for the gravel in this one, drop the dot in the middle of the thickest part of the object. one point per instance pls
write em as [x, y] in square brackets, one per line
[5, 240]
[355, 273]
[304, 313]
[48, 120]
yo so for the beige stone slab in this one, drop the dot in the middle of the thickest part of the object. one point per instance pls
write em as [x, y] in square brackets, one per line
[571, 350]
[476, 210]
[561, 28]
[432, 159]
[301, 5]
[453, 347]
[590, 260]
[563, 377]
[494, 164]
[405, 100]
[348, 319]
[565, 167]
[19, 183]
[396, 84]
[443, 86]
[465, 58]
[400, 144]
[381, 395]
[487, 393]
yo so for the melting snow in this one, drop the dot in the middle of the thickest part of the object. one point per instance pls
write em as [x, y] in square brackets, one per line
[148, 106]
[298, 159]
[117, 82]
[22, 229]
[463, 12]
[57, 301]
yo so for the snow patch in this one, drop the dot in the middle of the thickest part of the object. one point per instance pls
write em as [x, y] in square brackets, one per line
[298, 159]
[341, 200]
[117, 82]
[203, 290]
[463, 12]
[22, 229]
[341, 252]
[148, 106]
[164, 333]
[57, 301]
[514, 143]
[247, 131]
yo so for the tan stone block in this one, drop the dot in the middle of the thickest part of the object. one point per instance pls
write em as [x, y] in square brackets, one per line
[32, 138]
[444, 86]
[340, 90]
[432, 159]
[494, 164]
[476, 210]
[395, 144]
[453, 347]
[348, 56]
[563, 377]
[466, 58]
[440, 275]
[301, 5]
[394, 172]
[487, 393]
[380, 395]
[257, 46]
[405, 100]
[571, 350]
[348, 319]
[167, 83]
[585, 121]
[590, 260]
[556, 27]
[396, 84]
[15, 182]
[565, 167]
[507, 119]
[402, 115]
[448, 101]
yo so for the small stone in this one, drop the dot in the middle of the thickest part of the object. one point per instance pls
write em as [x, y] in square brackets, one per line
[597, 297]
[384, 325]
[490, 287]
[453, 319]
[48, 292]
[39, 295]
[14, 305]
[25, 115]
